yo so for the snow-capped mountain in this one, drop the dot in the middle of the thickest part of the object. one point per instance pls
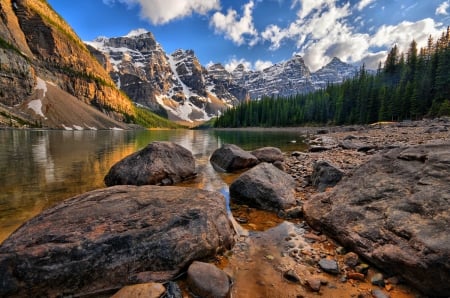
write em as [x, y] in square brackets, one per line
[333, 73]
[178, 86]
[175, 85]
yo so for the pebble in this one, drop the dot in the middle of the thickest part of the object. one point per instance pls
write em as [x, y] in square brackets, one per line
[351, 259]
[291, 276]
[329, 266]
[377, 279]
[356, 276]
[377, 293]
[314, 284]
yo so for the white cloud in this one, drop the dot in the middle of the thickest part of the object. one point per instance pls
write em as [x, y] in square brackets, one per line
[258, 65]
[363, 4]
[233, 63]
[235, 28]
[442, 9]
[308, 6]
[261, 65]
[164, 11]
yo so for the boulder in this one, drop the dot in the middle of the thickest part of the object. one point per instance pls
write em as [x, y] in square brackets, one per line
[394, 212]
[268, 154]
[265, 187]
[206, 280]
[158, 163]
[107, 238]
[229, 158]
[325, 175]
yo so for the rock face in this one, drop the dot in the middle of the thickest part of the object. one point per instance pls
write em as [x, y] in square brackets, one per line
[38, 46]
[394, 211]
[163, 163]
[107, 238]
[231, 158]
[206, 280]
[265, 187]
[174, 85]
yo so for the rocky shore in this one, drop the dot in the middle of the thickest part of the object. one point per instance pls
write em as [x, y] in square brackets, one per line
[363, 213]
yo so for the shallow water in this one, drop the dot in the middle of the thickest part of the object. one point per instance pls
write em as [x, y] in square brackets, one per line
[40, 168]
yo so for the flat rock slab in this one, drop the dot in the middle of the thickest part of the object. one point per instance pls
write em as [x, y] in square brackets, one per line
[111, 237]
[395, 212]
[159, 163]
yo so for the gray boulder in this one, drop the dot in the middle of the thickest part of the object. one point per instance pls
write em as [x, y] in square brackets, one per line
[107, 238]
[268, 154]
[394, 212]
[159, 163]
[265, 187]
[229, 158]
[206, 280]
[325, 175]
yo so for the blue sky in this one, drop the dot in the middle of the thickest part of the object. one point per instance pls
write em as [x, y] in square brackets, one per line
[259, 33]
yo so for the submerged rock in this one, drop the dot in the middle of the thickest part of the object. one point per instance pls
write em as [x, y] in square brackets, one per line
[265, 187]
[394, 212]
[159, 163]
[110, 237]
[229, 158]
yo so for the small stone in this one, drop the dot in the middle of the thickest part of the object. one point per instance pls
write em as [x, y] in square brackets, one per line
[340, 250]
[314, 284]
[377, 293]
[362, 268]
[291, 276]
[270, 257]
[329, 266]
[351, 259]
[356, 276]
[206, 280]
[377, 279]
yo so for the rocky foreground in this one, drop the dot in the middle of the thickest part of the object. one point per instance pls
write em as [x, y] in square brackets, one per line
[376, 196]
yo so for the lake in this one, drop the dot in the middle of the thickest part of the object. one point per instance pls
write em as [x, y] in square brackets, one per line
[40, 168]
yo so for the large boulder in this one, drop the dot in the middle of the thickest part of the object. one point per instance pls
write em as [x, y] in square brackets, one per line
[229, 158]
[265, 187]
[268, 154]
[158, 163]
[107, 238]
[325, 175]
[394, 211]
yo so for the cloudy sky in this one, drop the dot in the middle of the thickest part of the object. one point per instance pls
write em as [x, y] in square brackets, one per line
[259, 33]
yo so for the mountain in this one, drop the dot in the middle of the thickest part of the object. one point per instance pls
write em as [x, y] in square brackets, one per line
[175, 85]
[334, 72]
[291, 77]
[48, 77]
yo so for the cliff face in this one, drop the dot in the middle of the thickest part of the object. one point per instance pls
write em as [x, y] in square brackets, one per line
[36, 45]
[176, 85]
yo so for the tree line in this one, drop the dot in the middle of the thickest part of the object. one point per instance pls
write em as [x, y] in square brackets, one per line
[409, 86]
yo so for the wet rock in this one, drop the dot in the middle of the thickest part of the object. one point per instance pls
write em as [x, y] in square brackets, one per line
[265, 187]
[159, 163]
[229, 158]
[329, 266]
[147, 290]
[206, 280]
[393, 211]
[107, 237]
[268, 154]
[325, 175]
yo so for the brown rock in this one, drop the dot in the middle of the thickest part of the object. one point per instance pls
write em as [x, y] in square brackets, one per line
[107, 237]
[158, 163]
[351, 259]
[393, 211]
[356, 276]
[314, 284]
[268, 154]
[229, 158]
[206, 280]
[147, 290]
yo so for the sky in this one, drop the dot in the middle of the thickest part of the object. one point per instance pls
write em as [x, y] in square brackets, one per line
[259, 33]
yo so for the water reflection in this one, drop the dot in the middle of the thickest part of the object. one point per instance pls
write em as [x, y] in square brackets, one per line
[41, 168]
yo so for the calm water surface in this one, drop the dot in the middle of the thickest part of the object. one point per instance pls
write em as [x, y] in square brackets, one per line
[41, 168]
